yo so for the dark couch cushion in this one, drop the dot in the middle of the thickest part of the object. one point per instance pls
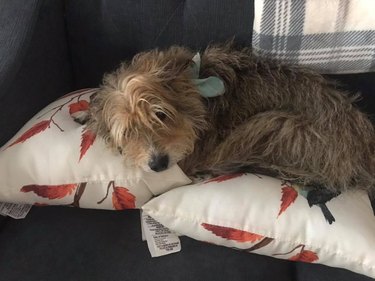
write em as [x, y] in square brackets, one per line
[60, 243]
[363, 83]
[103, 33]
[35, 60]
[17, 21]
[57, 243]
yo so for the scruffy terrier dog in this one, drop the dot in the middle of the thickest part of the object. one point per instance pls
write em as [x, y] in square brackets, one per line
[278, 120]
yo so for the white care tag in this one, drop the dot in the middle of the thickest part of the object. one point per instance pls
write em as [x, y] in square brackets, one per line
[160, 240]
[16, 211]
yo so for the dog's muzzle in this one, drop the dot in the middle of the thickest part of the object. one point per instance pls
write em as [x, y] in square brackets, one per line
[158, 162]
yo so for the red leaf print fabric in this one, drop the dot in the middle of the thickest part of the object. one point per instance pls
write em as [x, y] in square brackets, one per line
[264, 242]
[37, 128]
[88, 138]
[232, 233]
[50, 191]
[81, 105]
[305, 256]
[289, 195]
[224, 178]
[122, 198]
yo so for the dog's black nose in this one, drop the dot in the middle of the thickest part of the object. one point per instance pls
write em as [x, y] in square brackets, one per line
[159, 162]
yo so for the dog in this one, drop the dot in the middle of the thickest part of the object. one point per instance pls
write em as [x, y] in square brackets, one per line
[275, 119]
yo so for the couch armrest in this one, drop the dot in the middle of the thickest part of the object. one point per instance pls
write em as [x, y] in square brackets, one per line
[34, 60]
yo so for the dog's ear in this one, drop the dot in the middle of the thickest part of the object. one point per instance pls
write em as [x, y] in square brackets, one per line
[185, 66]
[176, 61]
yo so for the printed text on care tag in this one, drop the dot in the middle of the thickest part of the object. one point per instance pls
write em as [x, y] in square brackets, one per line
[16, 211]
[160, 240]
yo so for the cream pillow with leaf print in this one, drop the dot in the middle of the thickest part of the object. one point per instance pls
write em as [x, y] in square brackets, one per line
[53, 160]
[266, 216]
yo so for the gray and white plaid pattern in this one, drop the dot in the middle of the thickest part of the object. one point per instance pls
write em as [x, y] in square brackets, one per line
[335, 36]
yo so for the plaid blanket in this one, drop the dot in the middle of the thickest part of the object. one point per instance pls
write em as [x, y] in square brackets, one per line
[330, 36]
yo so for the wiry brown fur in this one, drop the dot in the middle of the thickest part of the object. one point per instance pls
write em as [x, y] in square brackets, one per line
[282, 120]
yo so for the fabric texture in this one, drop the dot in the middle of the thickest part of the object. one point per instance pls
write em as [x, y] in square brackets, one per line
[35, 65]
[17, 19]
[55, 161]
[263, 215]
[123, 28]
[60, 244]
[336, 36]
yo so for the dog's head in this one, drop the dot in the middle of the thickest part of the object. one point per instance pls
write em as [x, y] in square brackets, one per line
[150, 110]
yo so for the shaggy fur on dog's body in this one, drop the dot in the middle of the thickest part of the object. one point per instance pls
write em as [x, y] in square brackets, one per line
[279, 120]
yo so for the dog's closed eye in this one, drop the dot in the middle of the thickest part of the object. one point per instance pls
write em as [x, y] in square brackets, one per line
[161, 115]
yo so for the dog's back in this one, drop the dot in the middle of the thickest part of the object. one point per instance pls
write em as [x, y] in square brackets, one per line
[285, 119]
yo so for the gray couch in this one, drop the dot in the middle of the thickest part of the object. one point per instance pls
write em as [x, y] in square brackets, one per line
[49, 47]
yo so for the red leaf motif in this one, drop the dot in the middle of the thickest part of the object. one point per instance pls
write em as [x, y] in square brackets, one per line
[232, 233]
[50, 191]
[264, 242]
[224, 178]
[88, 138]
[81, 105]
[37, 128]
[305, 256]
[122, 198]
[289, 195]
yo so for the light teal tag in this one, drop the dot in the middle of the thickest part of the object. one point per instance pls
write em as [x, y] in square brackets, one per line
[209, 87]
